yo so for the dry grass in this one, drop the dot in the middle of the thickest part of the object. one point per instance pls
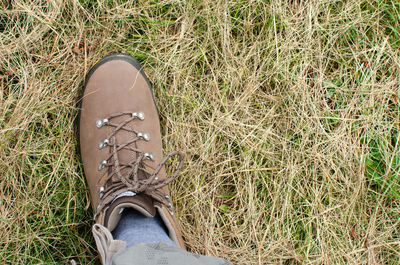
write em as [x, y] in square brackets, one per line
[288, 112]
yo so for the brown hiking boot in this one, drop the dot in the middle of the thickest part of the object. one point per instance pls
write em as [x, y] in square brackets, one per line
[121, 150]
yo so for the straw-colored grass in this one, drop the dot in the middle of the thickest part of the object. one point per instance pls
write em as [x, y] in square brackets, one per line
[287, 111]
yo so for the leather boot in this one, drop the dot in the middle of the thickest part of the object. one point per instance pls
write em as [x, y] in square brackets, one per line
[121, 149]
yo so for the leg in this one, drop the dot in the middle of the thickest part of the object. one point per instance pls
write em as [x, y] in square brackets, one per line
[146, 254]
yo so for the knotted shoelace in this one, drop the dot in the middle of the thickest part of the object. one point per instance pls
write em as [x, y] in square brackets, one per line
[129, 181]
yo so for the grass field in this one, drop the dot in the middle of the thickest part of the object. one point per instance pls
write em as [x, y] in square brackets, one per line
[287, 112]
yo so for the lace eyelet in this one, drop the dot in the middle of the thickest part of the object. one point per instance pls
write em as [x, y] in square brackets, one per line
[101, 122]
[102, 165]
[101, 191]
[139, 115]
[149, 156]
[103, 144]
[144, 136]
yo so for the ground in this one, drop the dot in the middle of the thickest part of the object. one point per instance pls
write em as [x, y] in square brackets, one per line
[287, 112]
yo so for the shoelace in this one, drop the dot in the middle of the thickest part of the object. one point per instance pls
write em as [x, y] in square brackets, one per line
[130, 181]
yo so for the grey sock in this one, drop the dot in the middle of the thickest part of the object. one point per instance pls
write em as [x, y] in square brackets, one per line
[135, 228]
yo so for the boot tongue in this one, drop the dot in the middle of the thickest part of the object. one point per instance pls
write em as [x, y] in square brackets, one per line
[140, 202]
